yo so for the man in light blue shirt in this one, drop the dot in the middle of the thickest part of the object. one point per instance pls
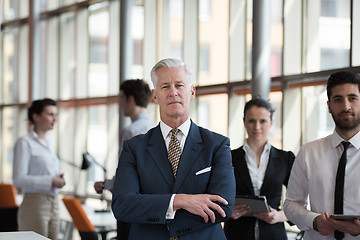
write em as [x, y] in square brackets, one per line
[134, 97]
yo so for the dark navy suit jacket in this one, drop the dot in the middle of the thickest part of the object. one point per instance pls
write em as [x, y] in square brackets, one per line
[277, 174]
[144, 184]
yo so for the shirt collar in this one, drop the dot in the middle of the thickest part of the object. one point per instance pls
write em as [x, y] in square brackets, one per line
[336, 140]
[139, 116]
[247, 147]
[34, 135]
[184, 128]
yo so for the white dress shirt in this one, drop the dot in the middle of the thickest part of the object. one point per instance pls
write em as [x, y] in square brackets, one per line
[181, 136]
[35, 164]
[256, 173]
[313, 175]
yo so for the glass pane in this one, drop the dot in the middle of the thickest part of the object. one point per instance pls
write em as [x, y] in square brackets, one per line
[137, 30]
[114, 48]
[237, 50]
[9, 66]
[97, 133]
[24, 9]
[318, 121]
[9, 139]
[176, 22]
[50, 5]
[98, 59]
[276, 37]
[236, 130]
[291, 119]
[9, 10]
[335, 34]
[276, 129]
[249, 36]
[67, 55]
[113, 150]
[172, 29]
[66, 147]
[80, 147]
[52, 58]
[292, 37]
[23, 73]
[212, 112]
[67, 2]
[1, 150]
[356, 34]
[213, 41]
[14, 125]
[82, 54]
[328, 35]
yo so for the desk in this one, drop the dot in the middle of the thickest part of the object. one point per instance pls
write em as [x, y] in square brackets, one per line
[103, 221]
[22, 235]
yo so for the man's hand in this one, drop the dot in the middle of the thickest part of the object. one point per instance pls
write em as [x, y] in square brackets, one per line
[271, 217]
[351, 227]
[200, 204]
[239, 211]
[323, 224]
[59, 181]
[98, 188]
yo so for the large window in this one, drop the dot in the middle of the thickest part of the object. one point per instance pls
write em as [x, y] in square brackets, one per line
[75, 59]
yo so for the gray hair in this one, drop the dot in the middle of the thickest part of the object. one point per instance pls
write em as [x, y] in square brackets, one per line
[170, 63]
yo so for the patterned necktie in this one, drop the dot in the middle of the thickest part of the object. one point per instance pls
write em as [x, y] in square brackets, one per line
[174, 151]
[339, 187]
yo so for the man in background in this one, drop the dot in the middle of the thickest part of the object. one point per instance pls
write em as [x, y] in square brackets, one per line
[134, 98]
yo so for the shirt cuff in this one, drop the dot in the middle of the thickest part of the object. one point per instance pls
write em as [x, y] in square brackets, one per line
[170, 214]
[109, 184]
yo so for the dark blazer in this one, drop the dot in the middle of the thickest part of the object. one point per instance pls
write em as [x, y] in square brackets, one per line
[144, 184]
[277, 174]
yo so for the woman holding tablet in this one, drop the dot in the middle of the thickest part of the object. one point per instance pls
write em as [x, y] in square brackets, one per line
[260, 170]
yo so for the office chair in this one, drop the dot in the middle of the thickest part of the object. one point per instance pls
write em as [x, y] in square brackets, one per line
[81, 221]
[8, 208]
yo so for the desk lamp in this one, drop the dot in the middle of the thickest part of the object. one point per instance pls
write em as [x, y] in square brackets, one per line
[87, 159]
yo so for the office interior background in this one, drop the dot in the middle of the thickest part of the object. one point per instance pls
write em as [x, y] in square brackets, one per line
[69, 50]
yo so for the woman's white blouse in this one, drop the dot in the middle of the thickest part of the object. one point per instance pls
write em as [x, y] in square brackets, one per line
[35, 164]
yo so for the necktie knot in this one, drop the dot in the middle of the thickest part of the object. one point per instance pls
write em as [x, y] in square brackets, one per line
[345, 144]
[174, 132]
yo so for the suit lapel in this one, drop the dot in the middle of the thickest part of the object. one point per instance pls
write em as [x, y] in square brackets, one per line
[270, 170]
[157, 151]
[192, 148]
[242, 170]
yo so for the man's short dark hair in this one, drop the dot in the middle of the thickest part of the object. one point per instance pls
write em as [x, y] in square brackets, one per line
[340, 78]
[38, 107]
[139, 89]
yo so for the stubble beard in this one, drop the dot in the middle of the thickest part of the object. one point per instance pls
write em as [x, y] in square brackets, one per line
[346, 125]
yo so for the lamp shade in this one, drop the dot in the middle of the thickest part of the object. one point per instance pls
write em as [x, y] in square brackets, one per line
[86, 162]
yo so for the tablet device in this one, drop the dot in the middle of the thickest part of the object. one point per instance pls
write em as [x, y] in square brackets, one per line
[344, 217]
[256, 203]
